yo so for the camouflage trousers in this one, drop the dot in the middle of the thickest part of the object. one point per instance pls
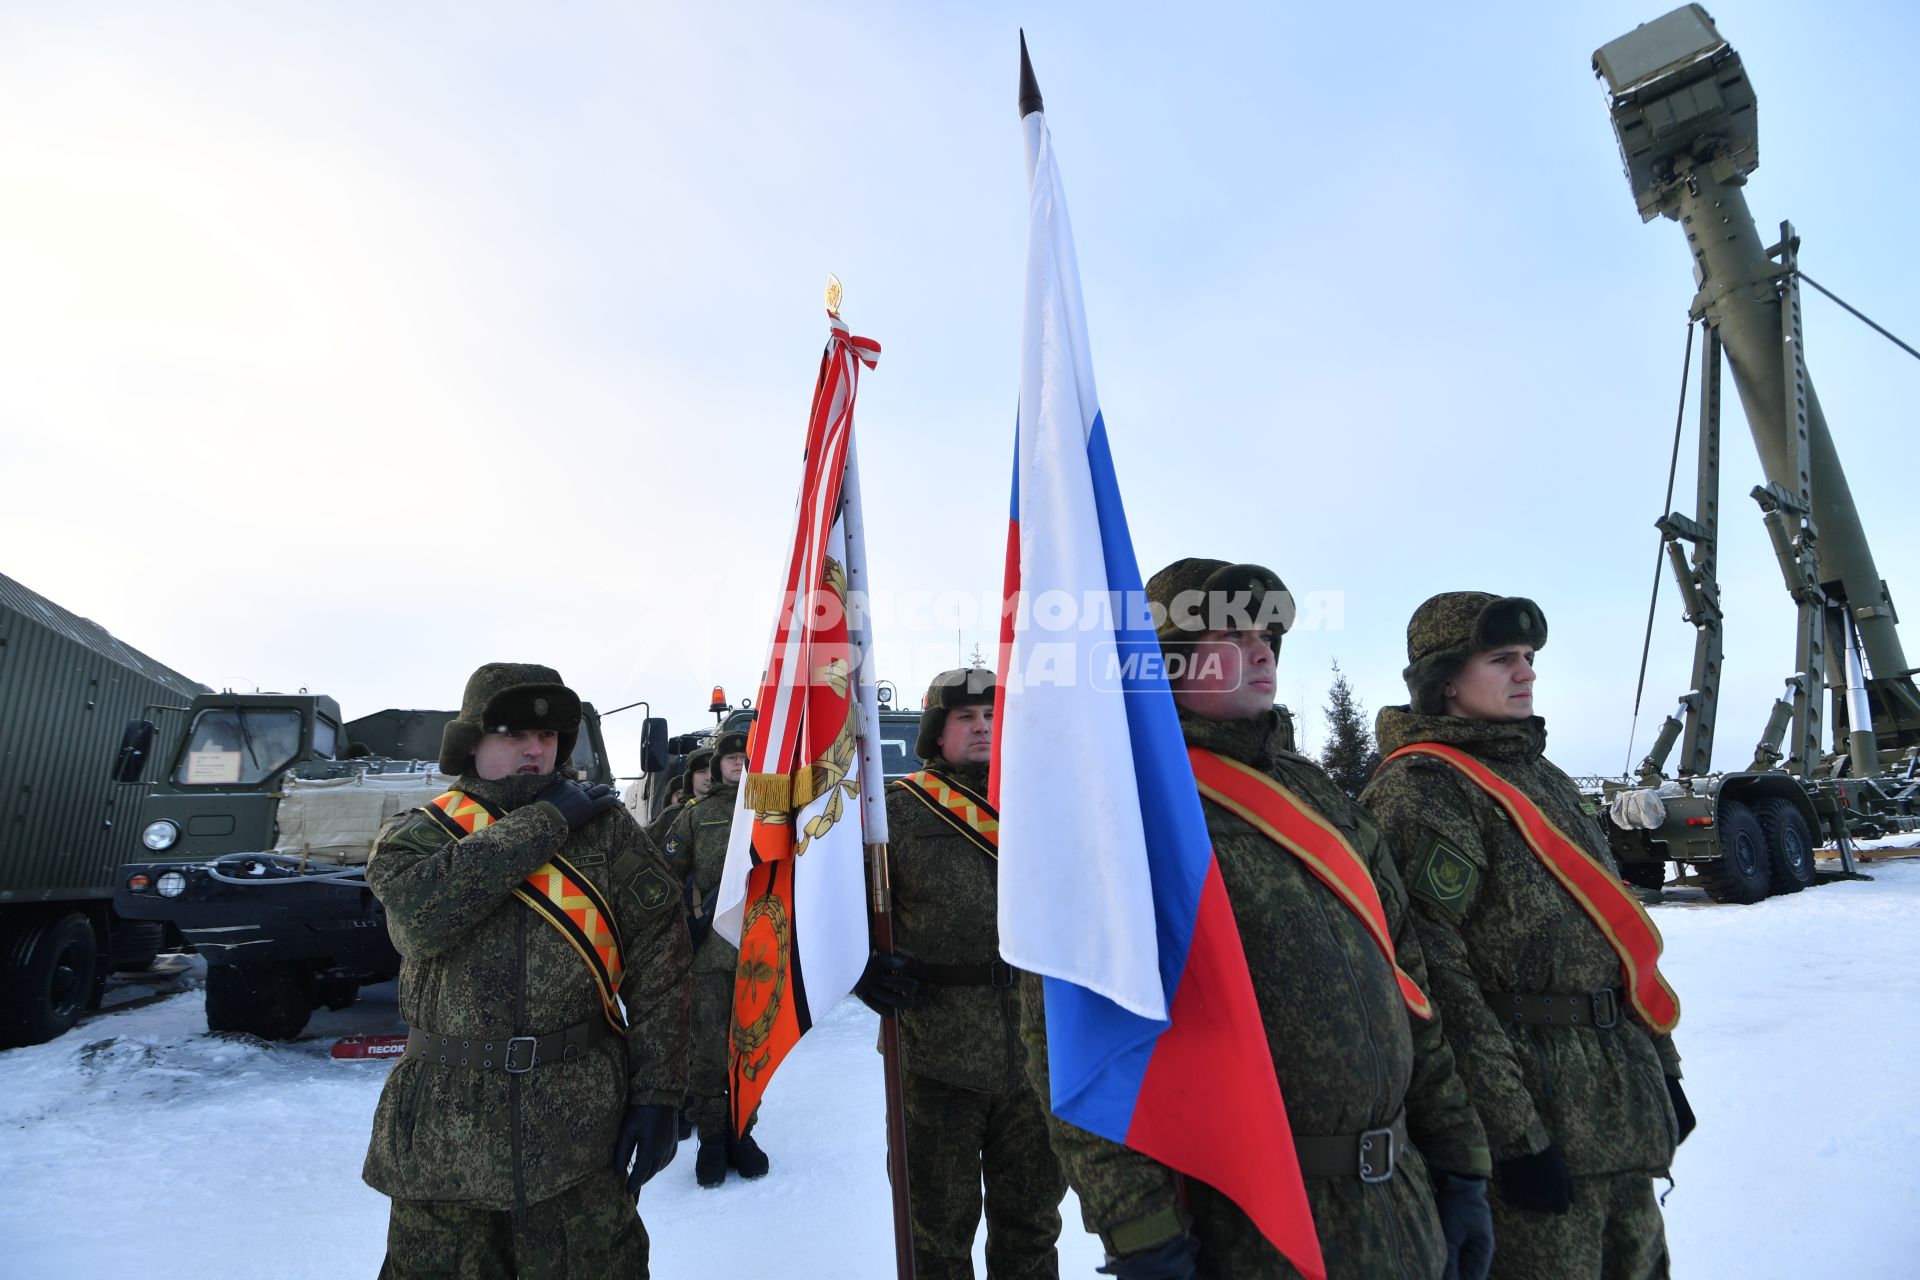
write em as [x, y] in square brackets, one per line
[1612, 1232]
[590, 1230]
[956, 1140]
[707, 1075]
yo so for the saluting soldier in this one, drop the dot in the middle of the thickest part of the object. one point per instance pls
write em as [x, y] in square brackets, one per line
[697, 847]
[530, 1107]
[1544, 965]
[972, 1118]
[1381, 1123]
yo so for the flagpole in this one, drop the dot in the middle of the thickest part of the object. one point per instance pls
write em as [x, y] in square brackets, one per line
[873, 820]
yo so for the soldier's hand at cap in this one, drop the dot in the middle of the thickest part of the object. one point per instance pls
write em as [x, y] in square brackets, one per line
[578, 804]
[649, 1135]
[885, 986]
[1539, 1182]
[1175, 1259]
[1682, 1112]
[1467, 1222]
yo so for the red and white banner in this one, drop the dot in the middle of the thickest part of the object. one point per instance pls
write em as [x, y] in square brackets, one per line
[793, 893]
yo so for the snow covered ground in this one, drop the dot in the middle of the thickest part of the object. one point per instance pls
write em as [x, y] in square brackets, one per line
[138, 1144]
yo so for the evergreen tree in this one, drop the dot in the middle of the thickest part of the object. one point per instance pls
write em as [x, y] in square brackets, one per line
[1350, 756]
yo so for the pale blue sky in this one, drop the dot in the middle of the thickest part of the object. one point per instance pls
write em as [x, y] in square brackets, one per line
[352, 345]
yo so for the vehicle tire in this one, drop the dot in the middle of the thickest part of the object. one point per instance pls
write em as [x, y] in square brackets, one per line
[1789, 844]
[48, 970]
[272, 1001]
[336, 990]
[1743, 872]
[1643, 875]
[135, 945]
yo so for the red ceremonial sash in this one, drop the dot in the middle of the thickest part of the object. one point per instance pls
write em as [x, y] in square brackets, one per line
[1621, 919]
[968, 813]
[558, 894]
[1290, 822]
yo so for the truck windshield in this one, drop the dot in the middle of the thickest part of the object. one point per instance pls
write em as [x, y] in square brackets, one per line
[896, 752]
[238, 745]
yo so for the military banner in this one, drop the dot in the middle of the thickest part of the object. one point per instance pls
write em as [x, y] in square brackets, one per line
[793, 894]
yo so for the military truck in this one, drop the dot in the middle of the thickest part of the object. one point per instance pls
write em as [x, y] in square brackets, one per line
[1686, 118]
[67, 688]
[258, 826]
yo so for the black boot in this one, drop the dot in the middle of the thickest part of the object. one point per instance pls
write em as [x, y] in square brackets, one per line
[710, 1165]
[686, 1125]
[746, 1156]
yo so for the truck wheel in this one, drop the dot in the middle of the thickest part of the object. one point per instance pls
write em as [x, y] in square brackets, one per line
[1644, 875]
[1743, 872]
[135, 945]
[272, 1001]
[1789, 845]
[47, 970]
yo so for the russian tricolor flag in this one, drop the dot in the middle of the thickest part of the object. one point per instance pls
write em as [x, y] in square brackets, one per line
[1108, 885]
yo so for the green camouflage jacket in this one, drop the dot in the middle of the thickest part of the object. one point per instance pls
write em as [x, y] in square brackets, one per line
[696, 850]
[662, 825]
[1493, 917]
[477, 961]
[946, 911]
[1348, 1054]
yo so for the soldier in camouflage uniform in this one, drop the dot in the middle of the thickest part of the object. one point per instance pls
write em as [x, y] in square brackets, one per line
[1583, 1117]
[516, 1131]
[971, 1115]
[693, 783]
[1350, 1057]
[696, 847]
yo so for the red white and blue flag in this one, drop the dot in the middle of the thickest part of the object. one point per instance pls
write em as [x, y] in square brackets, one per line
[1108, 884]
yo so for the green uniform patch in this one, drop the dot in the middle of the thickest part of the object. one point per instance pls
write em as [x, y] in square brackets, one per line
[653, 889]
[1446, 878]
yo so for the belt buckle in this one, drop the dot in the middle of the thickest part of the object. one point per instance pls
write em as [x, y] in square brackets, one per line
[1376, 1168]
[1606, 1009]
[533, 1054]
[1001, 974]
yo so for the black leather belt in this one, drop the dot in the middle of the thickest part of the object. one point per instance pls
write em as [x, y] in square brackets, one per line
[1599, 1009]
[1368, 1156]
[994, 973]
[512, 1054]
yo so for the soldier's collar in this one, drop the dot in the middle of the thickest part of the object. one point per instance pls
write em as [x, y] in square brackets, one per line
[507, 793]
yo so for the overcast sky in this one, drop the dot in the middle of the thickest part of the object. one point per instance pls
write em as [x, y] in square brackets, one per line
[351, 345]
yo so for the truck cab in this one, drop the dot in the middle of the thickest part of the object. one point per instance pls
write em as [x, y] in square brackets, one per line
[260, 824]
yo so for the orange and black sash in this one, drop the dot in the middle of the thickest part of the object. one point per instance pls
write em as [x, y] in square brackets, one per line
[1618, 914]
[1290, 822]
[964, 810]
[560, 895]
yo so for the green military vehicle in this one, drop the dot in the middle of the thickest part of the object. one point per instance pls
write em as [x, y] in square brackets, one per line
[1685, 115]
[258, 826]
[67, 689]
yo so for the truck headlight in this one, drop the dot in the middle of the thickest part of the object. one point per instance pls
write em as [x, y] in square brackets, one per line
[171, 884]
[160, 835]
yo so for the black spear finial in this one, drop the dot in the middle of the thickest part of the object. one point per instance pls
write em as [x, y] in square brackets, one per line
[1029, 87]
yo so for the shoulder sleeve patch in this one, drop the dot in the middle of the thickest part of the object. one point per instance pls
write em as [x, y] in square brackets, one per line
[413, 830]
[1446, 878]
[653, 888]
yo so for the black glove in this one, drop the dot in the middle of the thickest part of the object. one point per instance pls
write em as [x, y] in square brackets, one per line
[649, 1135]
[1539, 1182]
[1467, 1222]
[1176, 1259]
[1681, 1111]
[885, 987]
[577, 804]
